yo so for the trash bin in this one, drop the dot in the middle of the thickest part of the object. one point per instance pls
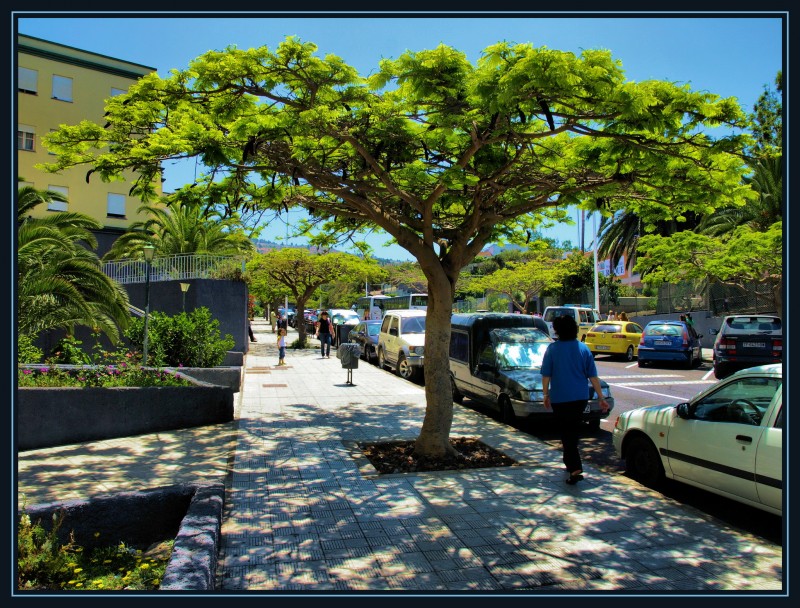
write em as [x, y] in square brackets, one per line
[349, 354]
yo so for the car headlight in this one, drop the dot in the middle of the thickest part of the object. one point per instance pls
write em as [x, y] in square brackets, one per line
[417, 350]
[531, 396]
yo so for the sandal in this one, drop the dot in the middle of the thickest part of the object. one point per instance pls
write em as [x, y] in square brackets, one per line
[575, 478]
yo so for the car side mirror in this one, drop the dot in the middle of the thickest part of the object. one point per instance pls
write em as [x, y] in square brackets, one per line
[485, 367]
[713, 331]
[393, 332]
[699, 336]
[682, 410]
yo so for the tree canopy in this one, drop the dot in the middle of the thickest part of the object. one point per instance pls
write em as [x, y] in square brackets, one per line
[443, 155]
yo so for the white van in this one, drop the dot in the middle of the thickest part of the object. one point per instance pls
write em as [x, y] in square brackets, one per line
[584, 317]
[401, 342]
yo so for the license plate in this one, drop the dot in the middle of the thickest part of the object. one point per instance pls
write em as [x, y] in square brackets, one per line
[753, 345]
[602, 347]
[663, 343]
[587, 409]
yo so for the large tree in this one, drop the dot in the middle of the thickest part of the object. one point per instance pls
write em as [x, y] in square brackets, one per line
[301, 272]
[443, 155]
[521, 282]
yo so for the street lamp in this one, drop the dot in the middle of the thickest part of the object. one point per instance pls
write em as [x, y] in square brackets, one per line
[184, 289]
[149, 251]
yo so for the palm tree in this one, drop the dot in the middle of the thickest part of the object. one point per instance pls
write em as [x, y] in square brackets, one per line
[183, 225]
[60, 282]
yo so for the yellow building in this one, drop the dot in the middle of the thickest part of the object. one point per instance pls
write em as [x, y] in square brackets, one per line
[58, 84]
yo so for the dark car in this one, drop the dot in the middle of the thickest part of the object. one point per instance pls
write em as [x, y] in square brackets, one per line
[365, 334]
[746, 341]
[670, 341]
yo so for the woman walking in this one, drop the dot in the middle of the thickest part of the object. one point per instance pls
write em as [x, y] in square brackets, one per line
[324, 329]
[566, 367]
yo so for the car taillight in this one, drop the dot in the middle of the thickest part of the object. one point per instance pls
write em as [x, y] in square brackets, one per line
[685, 338]
[777, 347]
[728, 345]
[641, 340]
[618, 336]
[589, 334]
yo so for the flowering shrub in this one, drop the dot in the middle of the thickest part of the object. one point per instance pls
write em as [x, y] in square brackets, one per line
[108, 376]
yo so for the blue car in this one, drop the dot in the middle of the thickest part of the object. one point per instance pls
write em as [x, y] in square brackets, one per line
[670, 341]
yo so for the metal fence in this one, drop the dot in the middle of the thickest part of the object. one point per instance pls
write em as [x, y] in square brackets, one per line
[177, 267]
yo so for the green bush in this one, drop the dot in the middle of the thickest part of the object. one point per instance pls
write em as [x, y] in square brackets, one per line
[68, 351]
[42, 562]
[187, 339]
[26, 351]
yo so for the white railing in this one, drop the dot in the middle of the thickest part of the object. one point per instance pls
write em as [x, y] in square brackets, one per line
[177, 267]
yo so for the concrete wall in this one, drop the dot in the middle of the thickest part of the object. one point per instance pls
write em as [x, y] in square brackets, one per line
[59, 416]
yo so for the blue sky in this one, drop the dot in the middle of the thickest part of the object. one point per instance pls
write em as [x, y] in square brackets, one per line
[728, 54]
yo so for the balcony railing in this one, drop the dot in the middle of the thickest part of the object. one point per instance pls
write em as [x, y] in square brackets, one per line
[177, 267]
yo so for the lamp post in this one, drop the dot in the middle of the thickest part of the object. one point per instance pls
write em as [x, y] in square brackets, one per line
[149, 251]
[184, 289]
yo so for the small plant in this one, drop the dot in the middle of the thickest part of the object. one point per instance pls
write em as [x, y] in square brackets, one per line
[42, 562]
[68, 351]
[26, 351]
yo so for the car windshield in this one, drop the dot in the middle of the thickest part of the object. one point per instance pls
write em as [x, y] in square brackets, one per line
[607, 329]
[755, 323]
[414, 325]
[520, 355]
[373, 329]
[552, 313]
[343, 317]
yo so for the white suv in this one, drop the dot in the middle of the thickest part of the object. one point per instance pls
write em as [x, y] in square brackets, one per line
[401, 342]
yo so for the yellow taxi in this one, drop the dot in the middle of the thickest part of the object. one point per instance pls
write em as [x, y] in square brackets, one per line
[614, 338]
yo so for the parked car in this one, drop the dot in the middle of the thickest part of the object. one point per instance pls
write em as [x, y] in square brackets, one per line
[727, 440]
[401, 342]
[615, 338]
[746, 340]
[666, 341]
[584, 317]
[365, 334]
[496, 360]
[342, 316]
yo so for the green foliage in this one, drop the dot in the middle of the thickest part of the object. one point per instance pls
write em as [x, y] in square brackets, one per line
[68, 351]
[26, 351]
[97, 376]
[42, 561]
[187, 339]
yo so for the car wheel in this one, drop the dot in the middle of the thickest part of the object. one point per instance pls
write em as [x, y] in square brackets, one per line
[457, 396]
[690, 363]
[507, 415]
[643, 463]
[382, 359]
[720, 372]
[404, 369]
[640, 363]
[594, 424]
[629, 354]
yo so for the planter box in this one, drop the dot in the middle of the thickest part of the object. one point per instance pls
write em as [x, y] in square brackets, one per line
[192, 515]
[48, 417]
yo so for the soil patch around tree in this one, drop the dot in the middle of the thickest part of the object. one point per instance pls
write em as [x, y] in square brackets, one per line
[398, 457]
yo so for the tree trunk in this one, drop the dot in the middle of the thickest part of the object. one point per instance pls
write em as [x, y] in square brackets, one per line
[300, 307]
[434, 438]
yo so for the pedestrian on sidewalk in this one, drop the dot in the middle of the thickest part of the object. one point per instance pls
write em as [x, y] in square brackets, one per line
[324, 332]
[250, 331]
[281, 346]
[272, 320]
[281, 321]
[566, 366]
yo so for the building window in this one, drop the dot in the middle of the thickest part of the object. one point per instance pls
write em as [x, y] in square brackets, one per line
[58, 205]
[115, 92]
[116, 205]
[62, 88]
[25, 138]
[27, 81]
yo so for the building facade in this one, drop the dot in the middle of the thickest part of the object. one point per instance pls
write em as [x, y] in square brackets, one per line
[58, 84]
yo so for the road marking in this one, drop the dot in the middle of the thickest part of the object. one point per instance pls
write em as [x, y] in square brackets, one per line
[631, 365]
[673, 383]
[638, 390]
[711, 371]
[643, 376]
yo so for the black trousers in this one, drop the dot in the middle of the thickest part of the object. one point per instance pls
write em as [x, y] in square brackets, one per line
[569, 417]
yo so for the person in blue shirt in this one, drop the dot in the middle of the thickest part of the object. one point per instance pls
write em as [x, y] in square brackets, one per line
[566, 367]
